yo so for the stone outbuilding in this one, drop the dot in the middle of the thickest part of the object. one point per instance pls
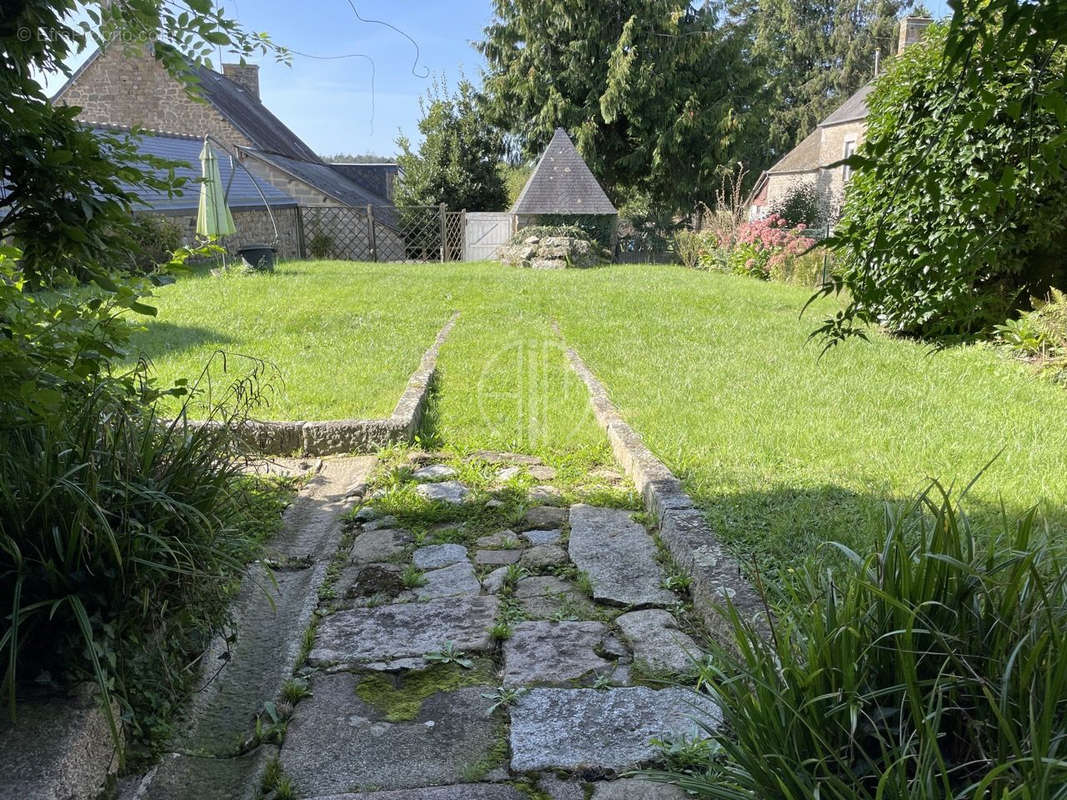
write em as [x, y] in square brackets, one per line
[562, 190]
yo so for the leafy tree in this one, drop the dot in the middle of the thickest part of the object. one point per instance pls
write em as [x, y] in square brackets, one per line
[514, 177]
[657, 94]
[457, 162]
[815, 54]
[955, 213]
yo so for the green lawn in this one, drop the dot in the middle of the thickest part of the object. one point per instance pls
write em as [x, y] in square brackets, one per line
[781, 449]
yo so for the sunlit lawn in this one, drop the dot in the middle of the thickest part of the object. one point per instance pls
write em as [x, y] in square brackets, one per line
[781, 449]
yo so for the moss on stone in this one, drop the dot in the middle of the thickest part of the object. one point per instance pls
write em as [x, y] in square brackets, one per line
[399, 698]
[496, 756]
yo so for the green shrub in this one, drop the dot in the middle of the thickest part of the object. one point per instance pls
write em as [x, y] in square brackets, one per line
[932, 667]
[320, 245]
[599, 229]
[543, 231]
[747, 258]
[121, 536]
[1040, 335]
[688, 245]
[153, 241]
[803, 270]
[800, 205]
[954, 216]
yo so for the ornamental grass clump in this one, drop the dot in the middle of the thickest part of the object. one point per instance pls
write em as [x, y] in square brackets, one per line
[122, 535]
[932, 667]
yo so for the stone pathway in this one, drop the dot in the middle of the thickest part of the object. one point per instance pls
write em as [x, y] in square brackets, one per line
[510, 649]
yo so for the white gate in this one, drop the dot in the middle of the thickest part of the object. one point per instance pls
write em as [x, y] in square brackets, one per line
[486, 232]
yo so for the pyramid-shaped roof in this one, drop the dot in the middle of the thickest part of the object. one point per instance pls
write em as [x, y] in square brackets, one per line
[562, 183]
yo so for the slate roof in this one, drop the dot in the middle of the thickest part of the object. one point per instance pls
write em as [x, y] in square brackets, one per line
[372, 176]
[562, 183]
[250, 116]
[186, 149]
[852, 109]
[802, 158]
[805, 156]
[270, 137]
[330, 182]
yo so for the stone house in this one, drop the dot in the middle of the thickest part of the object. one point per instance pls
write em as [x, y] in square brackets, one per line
[834, 139]
[123, 88]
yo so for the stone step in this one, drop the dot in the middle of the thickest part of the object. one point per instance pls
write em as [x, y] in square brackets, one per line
[601, 729]
[618, 555]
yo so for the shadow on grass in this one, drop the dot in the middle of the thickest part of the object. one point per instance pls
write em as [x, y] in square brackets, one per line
[428, 436]
[168, 338]
[784, 529]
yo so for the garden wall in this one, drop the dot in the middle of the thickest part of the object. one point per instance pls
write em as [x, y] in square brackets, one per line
[253, 227]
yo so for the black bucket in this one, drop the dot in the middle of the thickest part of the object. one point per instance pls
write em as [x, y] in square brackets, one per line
[258, 257]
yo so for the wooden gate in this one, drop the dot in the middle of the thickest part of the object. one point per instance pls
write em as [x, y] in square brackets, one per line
[486, 232]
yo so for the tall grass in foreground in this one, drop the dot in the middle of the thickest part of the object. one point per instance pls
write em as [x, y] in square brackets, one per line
[934, 667]
[121, 536]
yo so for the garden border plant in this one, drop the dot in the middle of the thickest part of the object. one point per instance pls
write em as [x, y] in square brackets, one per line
[932, 665]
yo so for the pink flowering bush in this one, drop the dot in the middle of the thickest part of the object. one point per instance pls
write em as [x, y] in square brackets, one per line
[765, 249]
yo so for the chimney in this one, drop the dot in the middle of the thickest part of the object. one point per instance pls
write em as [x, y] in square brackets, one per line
[911, 31]
[244, 75]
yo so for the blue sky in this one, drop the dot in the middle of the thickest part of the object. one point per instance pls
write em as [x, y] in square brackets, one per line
[329, 103]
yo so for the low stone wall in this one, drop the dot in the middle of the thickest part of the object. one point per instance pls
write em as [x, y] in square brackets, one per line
[253, 227]
[549, 252]
[716, 575]
[332, 437]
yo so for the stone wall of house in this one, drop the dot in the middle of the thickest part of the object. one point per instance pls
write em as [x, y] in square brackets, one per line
[779, 186]
[127, 87]
[253, 227]
[831, 149]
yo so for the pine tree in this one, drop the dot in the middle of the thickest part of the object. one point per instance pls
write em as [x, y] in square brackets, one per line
[815, 54]
[657, 95]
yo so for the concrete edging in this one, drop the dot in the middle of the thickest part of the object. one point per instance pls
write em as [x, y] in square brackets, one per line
[362, 436]
[716, 575]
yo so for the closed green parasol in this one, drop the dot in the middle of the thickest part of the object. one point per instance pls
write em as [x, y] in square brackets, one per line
[213, 217]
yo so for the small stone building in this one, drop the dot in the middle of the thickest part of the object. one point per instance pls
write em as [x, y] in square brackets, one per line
[122, 87]
[834, 139]
[563, 191]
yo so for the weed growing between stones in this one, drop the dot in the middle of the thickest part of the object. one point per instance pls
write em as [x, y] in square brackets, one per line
[528, 789]
[496, 757]
[294, 690]
[276, 784]
[501, 631]
[412, 577]
[308, 641]
[584, 583]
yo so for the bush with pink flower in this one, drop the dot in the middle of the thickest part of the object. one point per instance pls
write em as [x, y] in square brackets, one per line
[765, 248]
